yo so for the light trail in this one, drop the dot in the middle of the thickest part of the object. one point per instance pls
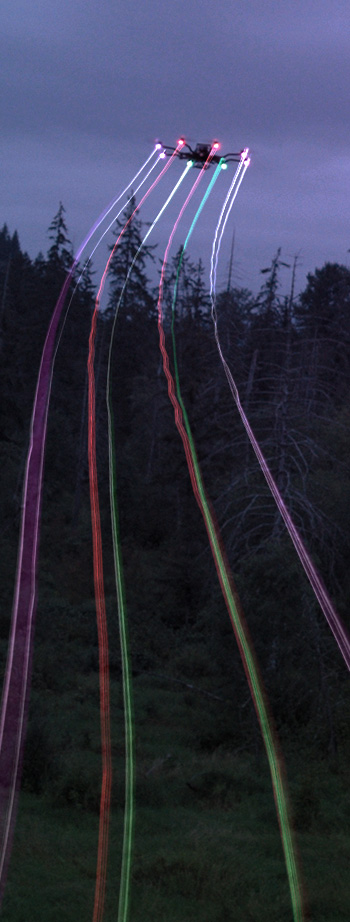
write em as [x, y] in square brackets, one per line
[337, 627]
[178, 219]
[236, 615]
[174, 190]
[115, 218]
[16, 687]
[228, 203]
[114, 202]
[15, 696]
[124, 893]
[102, 853]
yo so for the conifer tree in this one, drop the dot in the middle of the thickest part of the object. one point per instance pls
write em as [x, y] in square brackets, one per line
[323, 318]
[136, 295]
[60, 254]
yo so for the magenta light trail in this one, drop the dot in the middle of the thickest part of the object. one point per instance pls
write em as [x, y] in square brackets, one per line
[15, 695]
[337, 627]
[18, 668]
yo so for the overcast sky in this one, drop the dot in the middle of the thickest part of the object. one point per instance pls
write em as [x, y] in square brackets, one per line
[90, 84]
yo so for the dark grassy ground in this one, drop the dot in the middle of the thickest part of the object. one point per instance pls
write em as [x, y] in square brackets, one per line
[207, 845]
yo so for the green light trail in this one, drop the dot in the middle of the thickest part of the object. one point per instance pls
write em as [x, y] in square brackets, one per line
[237, 620]
[129, 808]
[126, 678]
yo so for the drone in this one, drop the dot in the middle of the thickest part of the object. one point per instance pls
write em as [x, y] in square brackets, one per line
[201, 153]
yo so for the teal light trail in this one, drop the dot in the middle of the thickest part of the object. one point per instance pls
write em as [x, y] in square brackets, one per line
[129, 809]
[236, 615]
[194, 222]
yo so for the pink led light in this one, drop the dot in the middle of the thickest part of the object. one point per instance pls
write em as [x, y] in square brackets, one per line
[180, 142]
[216, 145]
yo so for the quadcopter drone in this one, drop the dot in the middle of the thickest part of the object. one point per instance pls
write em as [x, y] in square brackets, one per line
[201, 153]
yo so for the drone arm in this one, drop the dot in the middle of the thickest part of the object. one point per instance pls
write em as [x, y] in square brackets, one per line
[232, 157]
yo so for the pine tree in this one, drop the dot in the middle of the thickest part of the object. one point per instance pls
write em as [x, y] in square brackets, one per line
[323, 318]
[136, 295]
[60, 254]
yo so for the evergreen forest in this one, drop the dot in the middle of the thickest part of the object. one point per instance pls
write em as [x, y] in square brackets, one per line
[207, 844]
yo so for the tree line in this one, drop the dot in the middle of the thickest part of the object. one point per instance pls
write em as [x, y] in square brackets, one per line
[290, 359]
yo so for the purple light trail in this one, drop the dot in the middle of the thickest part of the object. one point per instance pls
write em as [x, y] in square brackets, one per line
[337, 627]
[15, 696]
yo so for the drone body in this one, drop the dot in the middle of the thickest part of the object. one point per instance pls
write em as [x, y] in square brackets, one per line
[201, 152]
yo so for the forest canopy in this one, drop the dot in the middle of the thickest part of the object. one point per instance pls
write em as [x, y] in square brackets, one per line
[290, 360]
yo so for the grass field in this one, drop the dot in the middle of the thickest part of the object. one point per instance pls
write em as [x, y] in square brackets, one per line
[206, 846]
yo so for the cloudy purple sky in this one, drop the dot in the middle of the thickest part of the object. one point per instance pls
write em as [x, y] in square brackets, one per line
[89, 85]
